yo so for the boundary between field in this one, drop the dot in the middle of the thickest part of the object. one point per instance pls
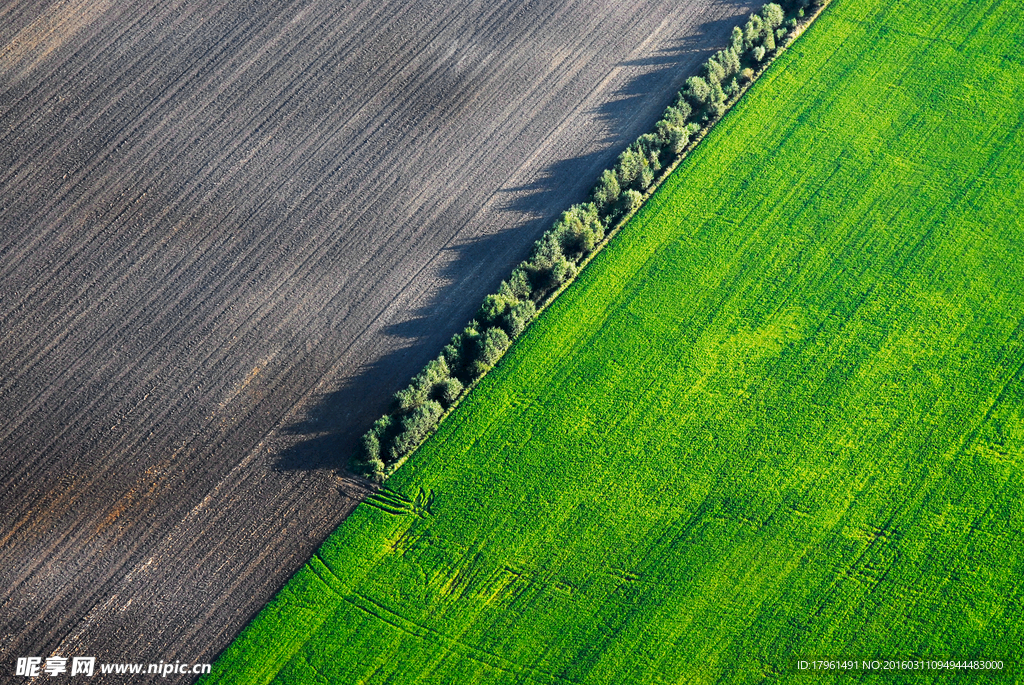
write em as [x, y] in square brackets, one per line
[579, 235]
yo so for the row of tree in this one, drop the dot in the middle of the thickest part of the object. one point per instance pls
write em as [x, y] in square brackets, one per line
[558, 254]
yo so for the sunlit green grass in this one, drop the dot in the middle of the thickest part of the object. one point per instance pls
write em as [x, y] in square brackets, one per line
[780, 417]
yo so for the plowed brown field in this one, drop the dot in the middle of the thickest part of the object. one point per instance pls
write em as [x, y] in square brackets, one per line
[228, 232]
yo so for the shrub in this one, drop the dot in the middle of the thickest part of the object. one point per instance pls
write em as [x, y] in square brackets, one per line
[759, 53]
[374, 470]
[449, 390]
[631, 163]
[606, 192]
[753, 31]
[579, 229]
[564, 270]
[698, 91]
[773, 15]
[631, 201]
[370, 446]
[646, 178]
[675, 137]
[736, 40]
[415, 426]
[519, 317]
[495, 342]
[492, 309]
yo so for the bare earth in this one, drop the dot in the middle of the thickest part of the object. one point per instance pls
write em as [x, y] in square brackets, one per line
[229, 230]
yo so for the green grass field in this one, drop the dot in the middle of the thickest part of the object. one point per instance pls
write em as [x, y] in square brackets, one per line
[780, 417]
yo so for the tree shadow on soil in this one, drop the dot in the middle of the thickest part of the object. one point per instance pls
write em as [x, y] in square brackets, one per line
[330, 430]
[659, 86]
[557, 188]
[632, 111]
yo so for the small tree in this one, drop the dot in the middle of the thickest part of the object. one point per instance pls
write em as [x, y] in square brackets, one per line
[492, 309]
[678, 140]
[379, 445]
[753, 31]
[717, 94]
[631, 201]
[649, 145]
[631, 163]
[736, 40]
[676, 116]
[564, 270]
[731, 88]
[773, 15]
[682, 106]
[408, 397]
[519, 283]
[730, 60]
[714, 69]
[579, 229]
[495, 342]
[675, 137]
[698, 91]
[369, 446]
[452, 354]
[546, 252]
[519, 317]
[470, 349]
[416, 425]
[517, 287]
[435, 371]
[448, 391]
[606, 192]
[646, 178]
[374, 470]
